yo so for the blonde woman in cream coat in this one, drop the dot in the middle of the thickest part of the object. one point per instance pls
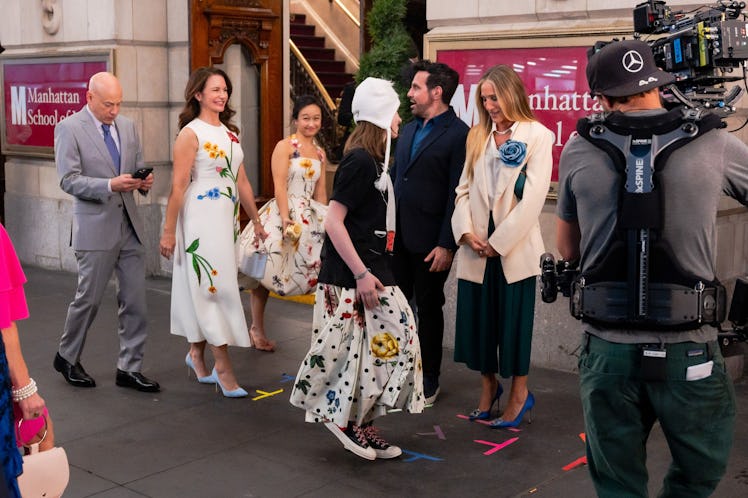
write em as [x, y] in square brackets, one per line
[499, 199]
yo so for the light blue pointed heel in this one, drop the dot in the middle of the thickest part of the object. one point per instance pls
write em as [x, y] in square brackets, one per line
[477, 414]
[208, 379]
[500, 423]
[235, 393]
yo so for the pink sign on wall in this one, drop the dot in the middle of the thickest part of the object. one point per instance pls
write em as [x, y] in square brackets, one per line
[39, 94]
[554, 78]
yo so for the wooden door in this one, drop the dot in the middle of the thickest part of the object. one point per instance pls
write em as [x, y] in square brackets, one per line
[257, 25]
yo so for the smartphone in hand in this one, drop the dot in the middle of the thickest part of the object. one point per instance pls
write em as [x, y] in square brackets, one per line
[142, 173]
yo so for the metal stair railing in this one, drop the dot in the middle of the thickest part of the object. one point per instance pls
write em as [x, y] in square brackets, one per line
[304, 81]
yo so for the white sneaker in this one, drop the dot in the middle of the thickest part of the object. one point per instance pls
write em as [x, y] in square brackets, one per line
[430, 398]
[353, 440]
[382, 448]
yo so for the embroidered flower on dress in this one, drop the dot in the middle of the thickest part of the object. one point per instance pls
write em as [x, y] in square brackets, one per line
[296, 146]
[384, 346]
[230, 192]
[305, 163]
[211, 194]
[212, 149]
[200, 265]
[512, 153]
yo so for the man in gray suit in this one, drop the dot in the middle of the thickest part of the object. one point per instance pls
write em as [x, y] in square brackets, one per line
[98, 154]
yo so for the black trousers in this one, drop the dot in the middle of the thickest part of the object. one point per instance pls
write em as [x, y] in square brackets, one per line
[414, 279]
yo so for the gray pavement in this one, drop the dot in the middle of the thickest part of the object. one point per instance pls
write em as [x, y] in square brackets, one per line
[189, 441]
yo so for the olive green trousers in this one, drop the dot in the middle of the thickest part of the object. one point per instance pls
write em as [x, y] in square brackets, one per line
[697, 418]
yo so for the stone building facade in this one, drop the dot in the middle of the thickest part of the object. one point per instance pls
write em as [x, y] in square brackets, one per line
[146, 43]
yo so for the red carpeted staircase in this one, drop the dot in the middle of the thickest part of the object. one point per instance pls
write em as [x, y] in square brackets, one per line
[330, 71]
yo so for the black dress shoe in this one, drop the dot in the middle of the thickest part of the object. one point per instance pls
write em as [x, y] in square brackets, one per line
[137, 380]
[74, 374]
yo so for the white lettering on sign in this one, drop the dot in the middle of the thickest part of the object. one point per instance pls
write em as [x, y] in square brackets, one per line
[21, 95]
[18, 105]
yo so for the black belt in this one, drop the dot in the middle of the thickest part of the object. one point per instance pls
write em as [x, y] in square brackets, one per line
[670, 306]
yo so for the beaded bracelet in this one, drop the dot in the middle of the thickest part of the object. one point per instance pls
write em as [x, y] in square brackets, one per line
[24, 392]
[362, 274]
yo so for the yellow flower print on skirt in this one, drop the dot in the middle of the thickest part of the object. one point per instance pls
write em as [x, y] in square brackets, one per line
[384, 346]
[361, 362]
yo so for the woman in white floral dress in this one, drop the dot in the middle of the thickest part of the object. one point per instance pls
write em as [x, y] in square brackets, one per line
[202, 226]
[365, 358]
[293, 219]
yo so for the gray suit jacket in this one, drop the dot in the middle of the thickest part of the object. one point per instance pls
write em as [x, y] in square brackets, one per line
[85, 167]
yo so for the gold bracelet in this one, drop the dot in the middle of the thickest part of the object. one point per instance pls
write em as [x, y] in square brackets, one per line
[256, 221]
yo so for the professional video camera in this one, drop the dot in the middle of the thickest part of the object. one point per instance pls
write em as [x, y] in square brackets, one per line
[560, 276]
[556, 276]
[702, 51]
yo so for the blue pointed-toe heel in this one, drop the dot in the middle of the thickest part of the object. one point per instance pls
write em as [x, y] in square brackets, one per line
[208, 379]
[234, 393]
[477, 414]
[500, 423]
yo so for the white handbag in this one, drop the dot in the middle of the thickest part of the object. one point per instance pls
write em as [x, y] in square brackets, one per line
[45, 473]
[251, 261]
[253, 265]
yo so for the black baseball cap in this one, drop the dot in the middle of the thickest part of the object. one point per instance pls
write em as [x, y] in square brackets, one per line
[624, 68]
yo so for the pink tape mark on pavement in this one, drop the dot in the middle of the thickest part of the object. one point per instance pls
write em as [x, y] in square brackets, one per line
[439, 432]
[496, 446]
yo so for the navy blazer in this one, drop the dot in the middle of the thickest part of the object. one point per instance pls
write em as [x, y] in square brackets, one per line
[425, 183]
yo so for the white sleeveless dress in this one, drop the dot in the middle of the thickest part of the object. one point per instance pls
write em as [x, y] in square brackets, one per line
[205, 300]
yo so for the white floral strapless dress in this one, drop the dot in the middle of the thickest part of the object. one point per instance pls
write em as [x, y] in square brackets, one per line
[293, 265]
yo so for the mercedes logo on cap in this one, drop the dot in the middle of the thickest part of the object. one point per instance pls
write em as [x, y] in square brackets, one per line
[632, 61]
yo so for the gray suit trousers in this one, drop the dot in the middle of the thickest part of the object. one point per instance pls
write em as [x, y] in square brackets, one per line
[95, 268]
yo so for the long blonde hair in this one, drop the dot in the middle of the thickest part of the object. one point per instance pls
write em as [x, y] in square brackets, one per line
[515, 106]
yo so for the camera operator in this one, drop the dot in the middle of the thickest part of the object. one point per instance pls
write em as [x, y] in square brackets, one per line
[635, 373]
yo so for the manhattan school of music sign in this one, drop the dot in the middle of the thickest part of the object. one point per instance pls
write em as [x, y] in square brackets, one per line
[40, 92]
[554, 78]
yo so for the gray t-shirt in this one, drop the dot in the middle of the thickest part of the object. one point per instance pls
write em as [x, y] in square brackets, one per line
[693, 181]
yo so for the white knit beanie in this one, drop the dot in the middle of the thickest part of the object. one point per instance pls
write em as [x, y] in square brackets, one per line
[375, 101]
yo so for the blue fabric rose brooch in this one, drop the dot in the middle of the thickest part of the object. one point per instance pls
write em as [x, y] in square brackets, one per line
[512, 153]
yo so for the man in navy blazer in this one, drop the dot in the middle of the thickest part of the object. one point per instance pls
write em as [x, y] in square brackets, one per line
[429, 157]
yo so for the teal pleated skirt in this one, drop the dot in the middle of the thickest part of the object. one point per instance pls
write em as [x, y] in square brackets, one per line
[493, 332]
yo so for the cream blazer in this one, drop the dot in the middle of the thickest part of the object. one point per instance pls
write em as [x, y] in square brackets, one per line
[517, 236]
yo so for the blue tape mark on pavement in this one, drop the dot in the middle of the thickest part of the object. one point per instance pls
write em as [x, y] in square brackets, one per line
[413, 456]
[287, 378]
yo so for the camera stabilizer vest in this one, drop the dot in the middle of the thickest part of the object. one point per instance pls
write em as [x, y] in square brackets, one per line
[639, 284]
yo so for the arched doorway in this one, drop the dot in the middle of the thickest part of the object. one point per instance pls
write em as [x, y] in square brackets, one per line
[217, 29]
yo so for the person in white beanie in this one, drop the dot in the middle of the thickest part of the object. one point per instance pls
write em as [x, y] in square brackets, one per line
[365, 358]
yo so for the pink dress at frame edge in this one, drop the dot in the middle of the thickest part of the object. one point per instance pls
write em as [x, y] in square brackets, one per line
[13, 305]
